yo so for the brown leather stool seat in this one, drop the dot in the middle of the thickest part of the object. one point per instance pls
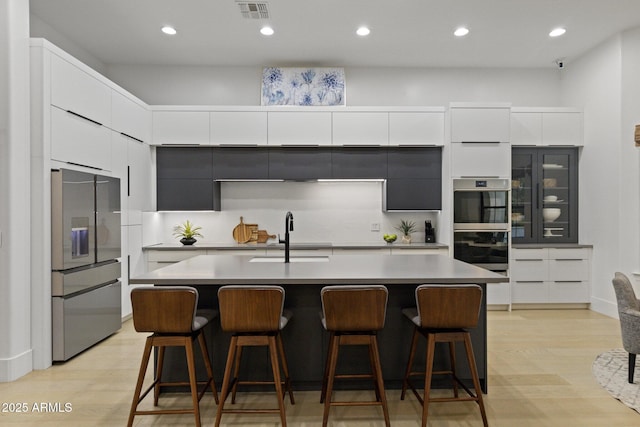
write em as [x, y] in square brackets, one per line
[169, 313]
[255, 315]
[444, 313]
[353, 315]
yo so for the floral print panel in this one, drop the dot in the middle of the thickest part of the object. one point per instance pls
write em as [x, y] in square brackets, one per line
[303, 86]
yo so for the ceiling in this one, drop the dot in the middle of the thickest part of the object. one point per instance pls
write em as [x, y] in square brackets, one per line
[404, 33]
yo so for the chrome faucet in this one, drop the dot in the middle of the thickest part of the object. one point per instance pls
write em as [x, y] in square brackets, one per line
[288, 226]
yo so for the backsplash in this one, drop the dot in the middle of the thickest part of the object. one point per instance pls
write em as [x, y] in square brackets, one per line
[336, 212]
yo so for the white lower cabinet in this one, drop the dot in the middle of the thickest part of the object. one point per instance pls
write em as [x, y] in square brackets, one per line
[551, 275]
[499, 294]
[158, 259]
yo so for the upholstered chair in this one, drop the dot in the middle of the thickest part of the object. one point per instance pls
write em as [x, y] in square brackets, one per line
[629, 312]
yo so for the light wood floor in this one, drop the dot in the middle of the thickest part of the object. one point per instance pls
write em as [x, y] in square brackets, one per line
[539, 375]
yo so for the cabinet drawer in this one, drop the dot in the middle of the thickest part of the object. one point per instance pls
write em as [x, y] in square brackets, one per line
[568, 269]
[76, 140]
[569, 292]
[529, 269]
[577, 253]
[75, 90]
[173, 256]
[521, 254]
[529, 292]
[498, 293]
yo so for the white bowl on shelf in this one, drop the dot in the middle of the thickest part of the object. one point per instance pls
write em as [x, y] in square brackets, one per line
[550, 198]
[551, 214]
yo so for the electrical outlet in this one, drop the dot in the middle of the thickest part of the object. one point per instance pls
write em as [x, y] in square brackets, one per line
[375, 226]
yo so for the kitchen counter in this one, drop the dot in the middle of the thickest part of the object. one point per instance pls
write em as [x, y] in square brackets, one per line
[294, 245]
[305, 340]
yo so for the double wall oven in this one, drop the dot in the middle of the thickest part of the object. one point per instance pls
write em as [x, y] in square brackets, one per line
[481, 222]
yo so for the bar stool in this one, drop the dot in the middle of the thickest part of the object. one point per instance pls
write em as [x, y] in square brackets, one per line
[443, 314]
[255, 315]
[169, 313]
[353, 315]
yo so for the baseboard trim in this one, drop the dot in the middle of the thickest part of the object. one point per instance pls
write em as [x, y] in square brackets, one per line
[605, 307]
[16, 367]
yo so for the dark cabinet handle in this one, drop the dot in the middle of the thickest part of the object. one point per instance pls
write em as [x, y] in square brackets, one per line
[131, 137]
[84, 117]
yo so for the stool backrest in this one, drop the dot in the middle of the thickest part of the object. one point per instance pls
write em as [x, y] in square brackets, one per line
[448, 306]
[354, 308]
[250, 308]
[164, 309]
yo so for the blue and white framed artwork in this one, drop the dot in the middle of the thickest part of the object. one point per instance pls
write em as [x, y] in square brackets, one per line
[303, 86]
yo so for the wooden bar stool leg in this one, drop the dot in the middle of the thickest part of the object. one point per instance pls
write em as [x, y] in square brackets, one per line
[377, 369]
[285, 369]
[236, 374]
[372, 363]
[474, 374]
[325, 377]
[192, 378]
[275, 367]
[207, 363]
[412, 353]
[333, 358]
[431, 347]
[143, 370]
[224, 391]
[158, 376]
[452, 361]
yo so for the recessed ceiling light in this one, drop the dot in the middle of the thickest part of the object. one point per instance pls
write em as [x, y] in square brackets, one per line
[266, 31]
[169, 30]
[460, 32]
[556, 32]
[363, 31]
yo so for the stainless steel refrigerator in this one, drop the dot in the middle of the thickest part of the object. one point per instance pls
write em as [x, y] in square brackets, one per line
[85, 245]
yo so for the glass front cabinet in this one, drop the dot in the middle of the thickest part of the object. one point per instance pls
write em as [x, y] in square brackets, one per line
[544, 195]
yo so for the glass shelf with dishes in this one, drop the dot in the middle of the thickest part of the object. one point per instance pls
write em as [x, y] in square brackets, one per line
[544, 195]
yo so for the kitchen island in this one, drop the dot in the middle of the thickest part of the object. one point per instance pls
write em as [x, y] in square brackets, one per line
[304, 338]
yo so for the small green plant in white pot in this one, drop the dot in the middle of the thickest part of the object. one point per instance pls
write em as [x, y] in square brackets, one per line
[187, 232]
[406, 228]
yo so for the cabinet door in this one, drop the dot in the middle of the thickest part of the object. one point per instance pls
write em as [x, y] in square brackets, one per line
[238, 128]
[481, 160]
[188, 194]
[414, 162]
[139, 173]
[181, 127]
[360, 128]
[525, 205]
[559, 196]
[529, 292]
[480, 124]
[359, 162]
[184, 162]
[412, 194]
[562, 128]
[80, 141]
[299, 128]
[130, 118]
[416, 128]
[240, 163]
[73, 89]
[297, 163]
[119, 167]
[526, 128]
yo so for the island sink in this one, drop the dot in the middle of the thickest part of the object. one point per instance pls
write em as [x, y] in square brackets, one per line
[292, 259]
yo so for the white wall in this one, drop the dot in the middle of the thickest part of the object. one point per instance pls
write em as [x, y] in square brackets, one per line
[609, 162]
[168, 85]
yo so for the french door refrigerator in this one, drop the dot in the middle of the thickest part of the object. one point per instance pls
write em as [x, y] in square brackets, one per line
[85, 245]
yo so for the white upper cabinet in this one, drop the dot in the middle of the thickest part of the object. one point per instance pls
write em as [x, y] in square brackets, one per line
[361, 128]
[130, 118]
[80, 141]
[481, 160]
[416, 128]
[181, 127]
[238, 128]
[482, 123]
[73, 89]
[546, 126]
[299, 128]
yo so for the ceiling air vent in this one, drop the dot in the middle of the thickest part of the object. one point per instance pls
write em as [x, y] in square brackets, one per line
[253, 9]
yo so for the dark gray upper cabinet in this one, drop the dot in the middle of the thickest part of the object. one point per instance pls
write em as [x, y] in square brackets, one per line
[418, 162]
[359, 163]
[188, 194]
[184, 162]
[413, 194]
[240, 163]
[299, 163]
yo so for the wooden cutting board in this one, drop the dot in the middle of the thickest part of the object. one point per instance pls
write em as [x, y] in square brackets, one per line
[242, 232]
[263, 236]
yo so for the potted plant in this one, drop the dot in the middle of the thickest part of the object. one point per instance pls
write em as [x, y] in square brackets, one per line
[187, 232]
[406, 228]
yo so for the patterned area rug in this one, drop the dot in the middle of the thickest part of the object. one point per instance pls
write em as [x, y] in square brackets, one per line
[611, 372]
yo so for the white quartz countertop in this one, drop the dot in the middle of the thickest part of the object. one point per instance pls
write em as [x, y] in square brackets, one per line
[294, 245]
[340, 269]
